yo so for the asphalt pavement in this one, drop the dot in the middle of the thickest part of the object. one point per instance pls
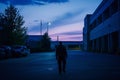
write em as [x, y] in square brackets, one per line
[80, 66]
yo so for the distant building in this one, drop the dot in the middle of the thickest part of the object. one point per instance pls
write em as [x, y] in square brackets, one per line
[34, 40]
[70, 45]
[101, 32]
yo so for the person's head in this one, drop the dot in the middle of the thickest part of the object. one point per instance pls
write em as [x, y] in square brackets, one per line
[60, 43]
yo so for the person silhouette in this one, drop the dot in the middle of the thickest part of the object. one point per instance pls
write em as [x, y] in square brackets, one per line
[61, 55]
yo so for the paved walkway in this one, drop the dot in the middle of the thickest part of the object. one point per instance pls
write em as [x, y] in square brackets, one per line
[80, 66]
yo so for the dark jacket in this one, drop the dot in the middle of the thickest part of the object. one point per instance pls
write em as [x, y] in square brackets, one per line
[61, 52]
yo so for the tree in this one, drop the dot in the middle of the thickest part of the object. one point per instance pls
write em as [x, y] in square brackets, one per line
[12, 22]
[45, 42]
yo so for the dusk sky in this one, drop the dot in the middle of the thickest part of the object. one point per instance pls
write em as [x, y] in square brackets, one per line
[64, 18]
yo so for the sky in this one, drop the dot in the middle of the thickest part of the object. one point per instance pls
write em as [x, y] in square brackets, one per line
[62, 18]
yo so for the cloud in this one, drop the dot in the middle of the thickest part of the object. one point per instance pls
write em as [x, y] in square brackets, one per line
[29, 2]
[16, 2]
[68, 36]
[69, 33]
[68, 18]
[71, 38]
[72, 33]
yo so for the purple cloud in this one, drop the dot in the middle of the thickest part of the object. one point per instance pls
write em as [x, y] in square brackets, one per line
[69, 33]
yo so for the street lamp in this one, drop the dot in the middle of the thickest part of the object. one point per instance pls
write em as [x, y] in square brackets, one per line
[48, 24]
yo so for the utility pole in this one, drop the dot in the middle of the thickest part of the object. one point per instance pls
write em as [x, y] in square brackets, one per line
[47, 28]
[57, 39]
[41, 27]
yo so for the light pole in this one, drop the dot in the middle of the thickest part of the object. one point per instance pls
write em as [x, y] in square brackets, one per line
[39, 24]
[41, 27]
[48, 24]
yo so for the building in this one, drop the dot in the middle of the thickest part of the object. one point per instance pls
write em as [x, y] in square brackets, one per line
[70, 45]
[101, 32]
[86, 33]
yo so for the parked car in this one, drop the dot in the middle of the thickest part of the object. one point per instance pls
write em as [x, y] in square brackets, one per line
[19, 51]
[7, 50]
[2, 53]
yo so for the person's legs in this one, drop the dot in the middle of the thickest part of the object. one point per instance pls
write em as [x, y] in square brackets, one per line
[60, 66]
[64, 65]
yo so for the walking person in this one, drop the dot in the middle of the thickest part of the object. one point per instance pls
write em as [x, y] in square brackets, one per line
[61, 55]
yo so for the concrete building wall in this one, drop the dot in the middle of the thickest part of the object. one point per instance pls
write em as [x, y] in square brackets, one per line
[86, 32]
[105, 27]
[100, 9]
[110, 25]
[105, 35]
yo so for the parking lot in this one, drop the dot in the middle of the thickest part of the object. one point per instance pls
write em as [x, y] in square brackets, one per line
[43, 66]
